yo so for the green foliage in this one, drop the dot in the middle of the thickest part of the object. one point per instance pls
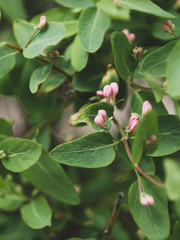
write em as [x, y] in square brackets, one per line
[75, 4]
[37, 214]
[153, 220]
[91, 151]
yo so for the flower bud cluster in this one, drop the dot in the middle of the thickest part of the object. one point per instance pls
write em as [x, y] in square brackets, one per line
[42, 23]
[168, 27]
[133, 122]
[146, 199]
[109, 91]
[54, 54]
[137, 52]
[100, 119]
[130, 36]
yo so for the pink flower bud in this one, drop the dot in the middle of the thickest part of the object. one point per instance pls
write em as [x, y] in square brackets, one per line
[55, 53]
[114, 88]
[42, 23]
[99, 121]
[133, 122]
[137, 51]
[100, 93]
[130, 36]
[146, 199]
[102, 114]
[146, 107]
[107, 91]
[151, 139]
[168, 27]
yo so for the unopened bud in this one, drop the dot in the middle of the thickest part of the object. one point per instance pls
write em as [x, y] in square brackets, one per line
[114, 89]
[56, 53]
[100, 93]
[42, 23]
[146, 107]
[130, 36]
[102, 114]
[146, 199]
[100, 119]
[168, 27]
[137, 52]
[107, 91]
[133, 122]
[150, 140]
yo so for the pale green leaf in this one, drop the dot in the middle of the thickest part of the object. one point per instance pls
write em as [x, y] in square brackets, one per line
[76, 3]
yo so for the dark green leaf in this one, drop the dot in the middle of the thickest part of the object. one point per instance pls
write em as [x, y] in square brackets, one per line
[37, 214]
[75, 4]
[153, 220]
[52, 82]
[20, 153]
[49, 176]
[147, 127]
[122, 52]
[93, 24]
[147, 164]
[176, 230]
[91, 151]
[5, 127]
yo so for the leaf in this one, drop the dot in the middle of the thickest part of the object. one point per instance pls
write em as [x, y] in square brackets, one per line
[20, 153]
[147, 127]
[13, 9]
[91, 151]
[5, 127]
[81, 238]
[169, 133]
[122, 52]
[75, 4]
[23, 30]
[79, 56]
[137, 101]
[116, 13]
[176, 230]
[10, 202]
[39, 76]
[156, 87]
[153, 220]
[49, 35]
[156, 62]
[52, 82]
[147, 164]
[93, 24]
[173, 72]
[37, 214]
[71, 28]
[172, 180]
[7, 60]
[90, 112]
[49, 177]
[146, 6]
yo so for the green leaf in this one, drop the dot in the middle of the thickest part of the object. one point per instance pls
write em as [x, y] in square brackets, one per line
[90, 112]
[7, 60]
[20, 153]
[156, 87]
[136, 102]
[75, 4]
[71, 28]
[147, 164]
[146, 6]
[172, 180]
[173, 72]
[153, 220]
[79, 56]
[5, 127]
[49, 176]
[13, 9]
[49, 35]
[156, 62]
[91, 151]
[93, 24]
[169, 133]
[10, 202]
[176, 230]
[122, 52]
[23, 30]
[39, 76]
[37, 214]
[147, 127]
[81, 238]
[52, 82]
[108, 7]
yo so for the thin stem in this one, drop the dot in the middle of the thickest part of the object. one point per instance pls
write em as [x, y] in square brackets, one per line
[114, 216]
[139, 181]
[148, 176]
[31, 38]
[176, 36]
[110, 134]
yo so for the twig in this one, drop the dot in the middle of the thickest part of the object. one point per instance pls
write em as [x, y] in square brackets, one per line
[31, 38]
[114, 215]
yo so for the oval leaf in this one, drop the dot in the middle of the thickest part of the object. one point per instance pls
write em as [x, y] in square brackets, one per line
[93, 24]
[39, 76]
[49, 35]
[7, 60]
[146, 6]
[20, 153]
[91, 151]
[52, 82]
[153, 220]
[122, 52]
[169, 133]
[5, 127]
[37, 214]
[75, 4]
[49, 176]
[79, 56]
